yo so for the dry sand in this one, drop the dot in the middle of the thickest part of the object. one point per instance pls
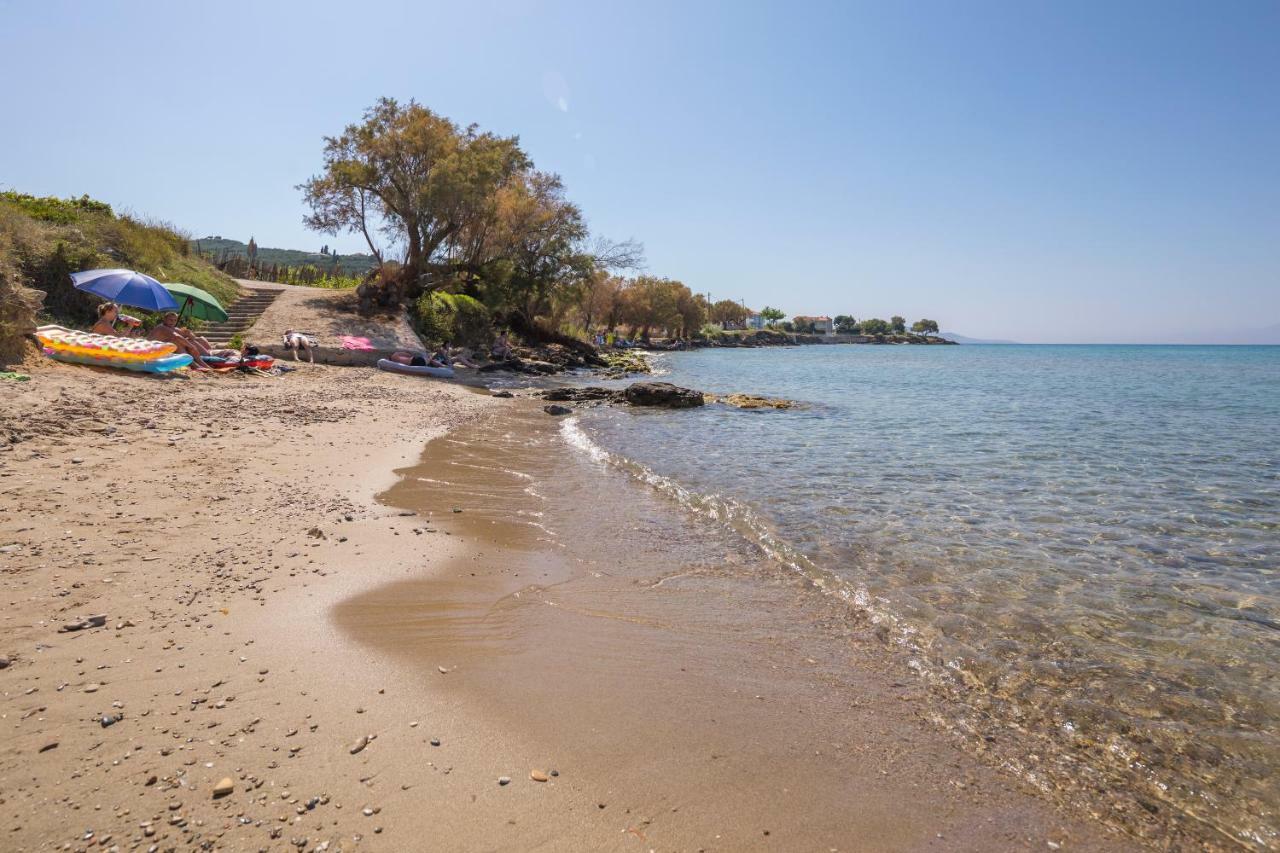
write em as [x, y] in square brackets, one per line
[270, 622]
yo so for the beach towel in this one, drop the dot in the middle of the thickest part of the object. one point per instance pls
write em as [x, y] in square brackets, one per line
[352, 342]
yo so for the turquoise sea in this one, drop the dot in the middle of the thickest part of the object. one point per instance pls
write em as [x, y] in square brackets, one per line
[1075, 545]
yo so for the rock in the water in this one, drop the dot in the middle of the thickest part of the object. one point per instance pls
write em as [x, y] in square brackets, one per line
[590, 393]
[224, 787]
[555, 409]
[503, 394]
[751, 401]
[662, 394]
[538, 776]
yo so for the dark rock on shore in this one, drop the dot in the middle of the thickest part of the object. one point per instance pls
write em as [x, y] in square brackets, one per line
[554, 409]
[662, 394]
[590, 394]
[654, 394]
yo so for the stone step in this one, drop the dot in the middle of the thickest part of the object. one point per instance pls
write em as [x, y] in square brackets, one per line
[241, 315]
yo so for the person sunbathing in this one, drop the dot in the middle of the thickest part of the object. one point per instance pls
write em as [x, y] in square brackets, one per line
[108, 316]
[417, 359]
[168, 332]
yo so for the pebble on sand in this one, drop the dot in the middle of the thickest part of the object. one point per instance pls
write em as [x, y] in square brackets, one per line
[538, 776]
[504, 780]
[224, 787]
[360, 744]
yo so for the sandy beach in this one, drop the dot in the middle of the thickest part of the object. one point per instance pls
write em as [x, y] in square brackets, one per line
[366, 672]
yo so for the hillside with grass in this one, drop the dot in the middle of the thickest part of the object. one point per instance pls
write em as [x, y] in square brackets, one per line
[44, 240]
[219, 249]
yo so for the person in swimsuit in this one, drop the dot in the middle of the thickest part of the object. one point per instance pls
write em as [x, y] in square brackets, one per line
[108, 316]
[501, 348]
[415, 359]
[183, 340]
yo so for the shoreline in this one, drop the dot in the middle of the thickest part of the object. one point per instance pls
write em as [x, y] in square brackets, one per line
[221, 650]
[662, 686]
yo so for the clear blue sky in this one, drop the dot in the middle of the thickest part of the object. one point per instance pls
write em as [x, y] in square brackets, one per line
[1077, 171]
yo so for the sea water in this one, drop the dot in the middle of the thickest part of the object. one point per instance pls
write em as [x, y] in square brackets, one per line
[1076, 546]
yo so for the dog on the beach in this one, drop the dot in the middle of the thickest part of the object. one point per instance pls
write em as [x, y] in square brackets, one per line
[297, 342]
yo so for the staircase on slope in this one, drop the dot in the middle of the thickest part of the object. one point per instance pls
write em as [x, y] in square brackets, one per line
[241, 315]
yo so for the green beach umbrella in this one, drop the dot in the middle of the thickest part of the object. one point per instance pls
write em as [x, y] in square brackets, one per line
[196, 303]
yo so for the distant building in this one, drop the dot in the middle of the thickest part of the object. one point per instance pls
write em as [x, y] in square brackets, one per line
[821, 325]
[755, 321]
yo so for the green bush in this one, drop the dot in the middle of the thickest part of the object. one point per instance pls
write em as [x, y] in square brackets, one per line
[453, 317]
[50, 209]
[44, 240]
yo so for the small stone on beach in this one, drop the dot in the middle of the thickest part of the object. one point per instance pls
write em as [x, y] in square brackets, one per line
[504, 780]
[360, 744]
[538, 776]
[224, 787]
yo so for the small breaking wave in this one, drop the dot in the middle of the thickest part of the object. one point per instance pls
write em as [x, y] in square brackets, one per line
[745, 522]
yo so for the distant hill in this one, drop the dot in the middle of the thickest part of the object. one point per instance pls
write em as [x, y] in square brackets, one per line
[220, 248]
[965, 339]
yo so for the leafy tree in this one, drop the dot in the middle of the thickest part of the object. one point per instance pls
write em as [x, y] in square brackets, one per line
[253, 252]
[728, 311]
[925, 327]
[847, 325]
[772, 315]
[418, 178]
[876, 326]
[898, 324]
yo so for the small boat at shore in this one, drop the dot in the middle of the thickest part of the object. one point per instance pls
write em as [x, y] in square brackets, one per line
[415, 370]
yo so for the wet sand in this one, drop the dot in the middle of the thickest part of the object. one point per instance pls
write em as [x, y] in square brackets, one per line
[690, 694]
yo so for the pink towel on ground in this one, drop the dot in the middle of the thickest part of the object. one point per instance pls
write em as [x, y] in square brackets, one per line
[352, 342]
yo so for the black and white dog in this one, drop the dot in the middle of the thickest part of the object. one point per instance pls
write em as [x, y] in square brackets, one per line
[297, 342]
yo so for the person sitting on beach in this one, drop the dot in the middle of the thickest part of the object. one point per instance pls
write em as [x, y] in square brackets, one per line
[168, 332]
[501, 350]
[108, 315]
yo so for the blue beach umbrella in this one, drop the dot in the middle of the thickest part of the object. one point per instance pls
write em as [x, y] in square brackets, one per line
[126, 287]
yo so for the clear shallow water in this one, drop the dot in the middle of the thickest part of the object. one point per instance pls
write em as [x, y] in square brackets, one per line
[1078, 544]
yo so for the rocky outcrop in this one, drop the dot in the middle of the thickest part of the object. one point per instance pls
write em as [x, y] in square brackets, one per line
[652, 394]
[751, 401]
[662, 394]
[590, 394]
